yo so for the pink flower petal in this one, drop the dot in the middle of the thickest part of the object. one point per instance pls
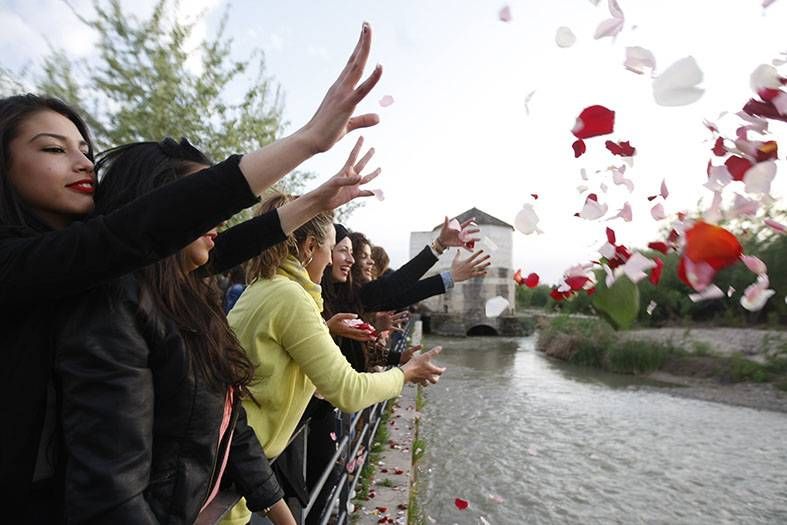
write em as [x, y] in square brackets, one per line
[638, 59]
[657, 212]
[718, 178]
[564, 37]
[625, 213]
[699, 275]
[677, 85]
[743, 206]
[386, 101]
[756, 295]
[379, 195]
[754, 264]
[496, 306]
[619, 179]
[504, 14]
[664, 191]
[775, 226]
[609, 28]
[780, 103]
[593, 209]
[710, 292]
[713, 214]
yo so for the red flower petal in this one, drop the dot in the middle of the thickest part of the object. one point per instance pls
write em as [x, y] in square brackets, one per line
[534, 195]
[651, 197]
[594, 121]
[610, 236]
[738, 166]
[461, 504]
[659, 247]
[577, 282]
[579, 148]
[532, 280]
[518, 279]
[655, 273]
[712, 245]
[718, 148]
[623, 149]
[763, 109]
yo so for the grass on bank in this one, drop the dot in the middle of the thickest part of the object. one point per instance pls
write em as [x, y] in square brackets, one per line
[591, 342]
[414, 514]
[370, 467]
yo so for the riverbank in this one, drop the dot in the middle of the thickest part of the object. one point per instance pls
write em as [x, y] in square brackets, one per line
[735, 366]
[385, 488]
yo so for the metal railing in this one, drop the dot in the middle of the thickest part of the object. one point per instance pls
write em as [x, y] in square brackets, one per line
[351, 439]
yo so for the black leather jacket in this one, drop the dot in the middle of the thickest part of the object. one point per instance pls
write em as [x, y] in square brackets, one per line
[140, 431]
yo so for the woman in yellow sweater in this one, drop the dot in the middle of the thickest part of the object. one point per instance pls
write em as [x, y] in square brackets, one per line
[277, 321]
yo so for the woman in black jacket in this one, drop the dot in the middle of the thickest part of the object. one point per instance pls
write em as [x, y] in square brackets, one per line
[152, 375]
[360, 293]
[48, 253]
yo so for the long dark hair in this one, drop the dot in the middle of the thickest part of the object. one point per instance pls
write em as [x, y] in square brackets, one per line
[345, 296]
[14, 111]
[190, 300]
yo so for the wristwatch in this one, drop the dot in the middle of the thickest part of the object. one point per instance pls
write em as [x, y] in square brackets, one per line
[437, 246]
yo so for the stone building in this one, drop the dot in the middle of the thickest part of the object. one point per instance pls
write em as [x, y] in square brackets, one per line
[461, 311]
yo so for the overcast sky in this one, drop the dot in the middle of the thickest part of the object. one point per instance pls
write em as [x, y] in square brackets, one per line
[458, 134]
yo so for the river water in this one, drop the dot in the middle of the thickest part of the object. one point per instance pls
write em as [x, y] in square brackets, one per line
[565, 444]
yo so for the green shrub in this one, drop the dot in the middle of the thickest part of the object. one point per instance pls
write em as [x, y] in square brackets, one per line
[636, 357]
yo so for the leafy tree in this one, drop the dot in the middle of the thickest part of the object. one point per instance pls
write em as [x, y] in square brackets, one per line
[145, 84]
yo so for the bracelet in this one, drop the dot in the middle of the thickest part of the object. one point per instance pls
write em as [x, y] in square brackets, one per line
[438, 246]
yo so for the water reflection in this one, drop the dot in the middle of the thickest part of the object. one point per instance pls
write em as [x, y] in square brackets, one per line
[564, 444]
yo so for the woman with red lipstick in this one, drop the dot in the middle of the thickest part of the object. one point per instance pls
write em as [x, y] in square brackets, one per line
[151, 356]
[49, 252]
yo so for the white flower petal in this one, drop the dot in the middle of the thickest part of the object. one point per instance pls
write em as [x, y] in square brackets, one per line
[759, 177]
[764, 76]
[496, 306]
[526, 220]
[676, 86]
[564, 37]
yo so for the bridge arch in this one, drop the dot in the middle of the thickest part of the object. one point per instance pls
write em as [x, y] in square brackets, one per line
[482, 329]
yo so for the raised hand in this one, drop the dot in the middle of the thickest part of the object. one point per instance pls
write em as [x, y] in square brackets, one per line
[474, 266]
[334, 118]
[450, 237]
[346, 185]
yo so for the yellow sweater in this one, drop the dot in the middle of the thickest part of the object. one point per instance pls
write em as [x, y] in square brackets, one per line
[278, 323]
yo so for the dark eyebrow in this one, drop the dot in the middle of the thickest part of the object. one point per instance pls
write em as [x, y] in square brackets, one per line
[56, 136]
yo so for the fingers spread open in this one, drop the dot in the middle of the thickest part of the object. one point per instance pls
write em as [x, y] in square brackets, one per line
[361, 164]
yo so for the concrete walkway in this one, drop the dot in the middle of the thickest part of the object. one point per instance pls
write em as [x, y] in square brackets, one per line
[390, 487]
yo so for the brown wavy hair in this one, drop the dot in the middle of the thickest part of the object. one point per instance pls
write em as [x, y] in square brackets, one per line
[265, 264]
